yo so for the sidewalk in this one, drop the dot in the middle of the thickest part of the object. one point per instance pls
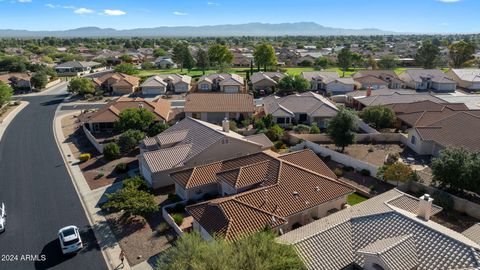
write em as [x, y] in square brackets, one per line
[90, 200]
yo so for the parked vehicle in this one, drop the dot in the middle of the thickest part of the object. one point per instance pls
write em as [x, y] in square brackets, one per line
[3, 218]
[70, 240]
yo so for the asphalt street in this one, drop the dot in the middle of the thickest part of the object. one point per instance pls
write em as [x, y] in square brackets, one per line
[39, 195]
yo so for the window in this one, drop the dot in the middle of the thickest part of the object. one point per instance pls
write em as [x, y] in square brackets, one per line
[302, 118]
[413, 140]
[281, 120]
[204, 87]
[377, 267]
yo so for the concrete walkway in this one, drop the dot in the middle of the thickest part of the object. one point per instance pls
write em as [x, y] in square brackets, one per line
[90, 200]
[4, 124]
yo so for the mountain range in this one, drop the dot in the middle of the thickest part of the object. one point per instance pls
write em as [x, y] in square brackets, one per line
[248, 29]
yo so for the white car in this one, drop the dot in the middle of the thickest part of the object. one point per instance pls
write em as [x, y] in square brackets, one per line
[70, 240]
[3, 217]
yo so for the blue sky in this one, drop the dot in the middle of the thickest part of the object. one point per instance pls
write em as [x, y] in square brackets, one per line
[421, 16]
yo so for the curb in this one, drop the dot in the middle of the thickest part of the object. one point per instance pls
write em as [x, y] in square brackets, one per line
[107, 256]
[9, 118]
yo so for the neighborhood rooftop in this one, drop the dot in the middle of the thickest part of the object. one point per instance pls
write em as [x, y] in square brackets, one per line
[378, 227]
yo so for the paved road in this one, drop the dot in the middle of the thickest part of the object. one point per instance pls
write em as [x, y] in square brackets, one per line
[40, 197]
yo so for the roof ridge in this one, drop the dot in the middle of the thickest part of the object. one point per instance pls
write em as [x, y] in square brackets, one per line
[256, 208]
[402, 239]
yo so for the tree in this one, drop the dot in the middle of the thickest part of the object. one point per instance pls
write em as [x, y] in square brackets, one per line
[202, 60]
[292, 83]
[130, 139]
[275, 132]
[372, 62]
[39, 80]
[126, 69]
[81, 86]
[461, 52]
[148, 65]
[344, 59]
[258, 251]
[135, 118]
[132, 201]
[322, 62]
[111, 151]
[264, 56]
[427, 55]
[157, 128]
[220, 56]
[182, 56]
[398, 172]
[13, 63]
[453, 169]
[125, 58]
[159, 52]
[379, 116]
[342, 128]
[387, 62]
[6, 93]
[357, 59]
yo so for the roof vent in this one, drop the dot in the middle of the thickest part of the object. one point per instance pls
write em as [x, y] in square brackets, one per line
[296, 194]
[317, 188]
[140, 105]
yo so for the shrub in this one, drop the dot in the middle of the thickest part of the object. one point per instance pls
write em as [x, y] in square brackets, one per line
[314, 129]
[279, 145]
[275, 132]
[121, 168]
[130, 139]
[178, 218]
[85, 156]
[162, 228]
[443, 199]
[137, 183]
[338, 172]
[365, 172]
[302, 129]
[157, 128]
[111, 151]
[99, 175]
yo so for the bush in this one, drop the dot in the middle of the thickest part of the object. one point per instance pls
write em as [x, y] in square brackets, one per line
[302, 129]
[178, 218]
[365, 172]
[121, 168]
[443, 199]
[162, 228]
[279, 145]
[275, 133]
[111, 151]
[137, 183]
[130, 139]
[85, 156]
[338, 172]
[99, 175]
[157, 128]
[314, 129]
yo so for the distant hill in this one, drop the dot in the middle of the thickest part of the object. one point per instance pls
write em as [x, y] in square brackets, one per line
[249, 29]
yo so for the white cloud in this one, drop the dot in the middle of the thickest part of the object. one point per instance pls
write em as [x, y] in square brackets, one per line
[59, 6]
[50, 5]
[24, 1]
[83, 11]
[114, 12]
[449, 1]
[178, 13]
[213, 4]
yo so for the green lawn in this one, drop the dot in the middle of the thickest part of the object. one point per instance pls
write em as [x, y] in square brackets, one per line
[355, 198]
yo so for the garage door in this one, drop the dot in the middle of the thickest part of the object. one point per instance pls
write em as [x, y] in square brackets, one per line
[152, 91]
[231, 89]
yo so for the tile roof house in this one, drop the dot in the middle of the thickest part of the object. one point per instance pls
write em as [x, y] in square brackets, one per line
[117, 83]
[266, 81]
[472, 101]
[164, 62]
[428, 79]
[103, 119]
[263, 189]
[377, 79]
[466, 78]
[193, 142]
[375, 98]
[306, 107]
[215, 107]
[423, 113]
[77, 68]
[390, 231]
[17, 80]
[221, 82]
[458, 129]
[161, 84]
[330, 82]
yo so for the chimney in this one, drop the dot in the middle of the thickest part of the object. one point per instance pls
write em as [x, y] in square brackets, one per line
[140, 105]
[425, 207]
[369, 91]
[226, 125]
